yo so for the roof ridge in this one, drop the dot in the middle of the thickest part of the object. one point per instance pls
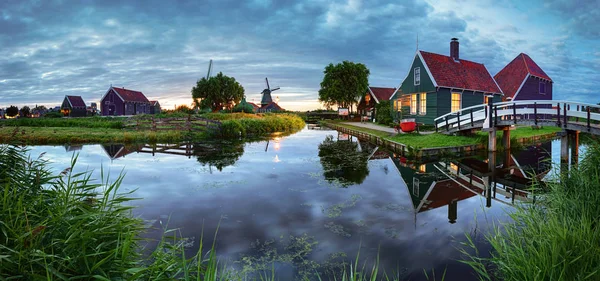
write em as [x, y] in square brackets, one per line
[452, 58]
[525, 62]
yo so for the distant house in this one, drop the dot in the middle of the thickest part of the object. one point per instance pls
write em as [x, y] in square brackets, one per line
[438, 84]
[2, 112]
[155, 109]
[523, 79]
[270, 107]
[73, 106]
[121, 101]
[254, 106]
[372, 97]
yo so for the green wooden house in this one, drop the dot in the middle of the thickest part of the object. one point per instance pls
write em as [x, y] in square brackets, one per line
[438, 84]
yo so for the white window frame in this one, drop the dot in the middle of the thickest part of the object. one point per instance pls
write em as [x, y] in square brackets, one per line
[417, 76]
[423, 103]
[413, 104]
[459, 101]
[416, 186]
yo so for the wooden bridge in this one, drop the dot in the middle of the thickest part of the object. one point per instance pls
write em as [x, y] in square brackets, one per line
[573, 117]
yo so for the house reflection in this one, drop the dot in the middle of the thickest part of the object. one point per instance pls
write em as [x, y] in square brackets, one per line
[502, 177]
[69, 148]
[115, 151]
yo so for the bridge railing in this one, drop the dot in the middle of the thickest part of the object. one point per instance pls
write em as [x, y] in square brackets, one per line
[560, 112]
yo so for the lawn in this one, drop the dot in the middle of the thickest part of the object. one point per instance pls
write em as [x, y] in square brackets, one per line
[440, 140]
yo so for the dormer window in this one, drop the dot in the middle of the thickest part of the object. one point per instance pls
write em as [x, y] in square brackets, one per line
[542, 88]
[417, 76]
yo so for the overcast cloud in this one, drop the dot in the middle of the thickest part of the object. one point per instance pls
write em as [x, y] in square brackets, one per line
[56, 48]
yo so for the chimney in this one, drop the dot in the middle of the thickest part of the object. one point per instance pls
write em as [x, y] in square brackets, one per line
[454, 48]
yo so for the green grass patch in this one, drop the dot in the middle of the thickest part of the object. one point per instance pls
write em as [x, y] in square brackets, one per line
[83, 122]
[61, 135]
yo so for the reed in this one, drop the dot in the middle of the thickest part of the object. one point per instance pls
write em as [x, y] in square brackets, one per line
[555, 238]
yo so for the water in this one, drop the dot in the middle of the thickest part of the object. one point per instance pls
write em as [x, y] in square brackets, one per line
[307, 202]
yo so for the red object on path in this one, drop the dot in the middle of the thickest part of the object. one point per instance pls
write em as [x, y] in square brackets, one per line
[408, 125]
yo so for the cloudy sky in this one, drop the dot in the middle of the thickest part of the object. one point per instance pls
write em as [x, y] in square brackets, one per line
[54, 48]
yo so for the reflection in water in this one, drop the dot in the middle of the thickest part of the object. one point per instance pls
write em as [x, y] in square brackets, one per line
[445, 183]
[272, 207]
[343, 162]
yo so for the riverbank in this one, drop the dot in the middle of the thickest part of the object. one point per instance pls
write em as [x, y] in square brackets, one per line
[430, 144]
[42, 131]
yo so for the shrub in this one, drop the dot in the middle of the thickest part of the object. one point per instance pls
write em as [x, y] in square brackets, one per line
[232, 129]
[53, 114]
[384, 112]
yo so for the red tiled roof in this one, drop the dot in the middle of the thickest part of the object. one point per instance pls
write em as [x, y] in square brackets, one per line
[382, 93]
[76, 101]
[463, 74]
[272, 105]
[512, 75]
[254, 105]
[153, 102]
[130, 95]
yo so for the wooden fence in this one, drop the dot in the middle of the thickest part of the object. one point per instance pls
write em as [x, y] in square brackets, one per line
[190, 124]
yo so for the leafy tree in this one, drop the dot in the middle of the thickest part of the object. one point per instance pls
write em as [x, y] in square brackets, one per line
[218, 155]
[25, 111]
[343, 84]
[217, 92]
[342, 162]
[12, 111]
[384, 112]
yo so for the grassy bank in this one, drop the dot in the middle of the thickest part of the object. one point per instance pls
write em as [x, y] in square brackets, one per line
[35, 131]
[441, 140]
[69, 227]
[75, 135]
[555, 238]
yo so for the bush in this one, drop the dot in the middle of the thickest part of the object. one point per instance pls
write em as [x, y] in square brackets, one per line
[384, 112]
[232, 129]
[53, 114]
[244, 107]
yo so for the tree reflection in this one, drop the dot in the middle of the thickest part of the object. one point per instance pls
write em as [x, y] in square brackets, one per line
[343, 162]
[218, 155]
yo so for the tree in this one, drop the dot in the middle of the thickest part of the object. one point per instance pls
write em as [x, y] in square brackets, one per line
[12, 111]
[217, 92]
[383, 111]
[343, 84]
[25, 111]
[342, 162]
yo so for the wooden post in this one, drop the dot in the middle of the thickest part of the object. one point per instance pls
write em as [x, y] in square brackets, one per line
[495, 115]
[577, 118]
[558, 115]
[535, 113]
[458, 118]
[471, 118]
[588, 118]
[153, 124]
[514, 114]
[447, 127]
[188, 123]
[506, 138]
[565, 114]
[574, 147]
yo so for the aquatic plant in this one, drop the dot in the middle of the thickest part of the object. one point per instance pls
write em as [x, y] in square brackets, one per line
[554, 238]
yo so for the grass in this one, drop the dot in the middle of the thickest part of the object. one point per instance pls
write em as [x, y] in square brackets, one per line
[555, 238]
[40, 131]
[64, 135]
[70, 227]
[441, 140]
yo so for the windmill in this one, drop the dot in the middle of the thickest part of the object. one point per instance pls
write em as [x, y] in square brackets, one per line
[209, 69]
[266, 94]
[195, 104]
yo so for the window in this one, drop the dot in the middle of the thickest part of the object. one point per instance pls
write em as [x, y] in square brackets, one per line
[455, 105]
[542, 88]
[413, 104]
[367, 98]
[415, 188]
[417, 76]
[423, 103]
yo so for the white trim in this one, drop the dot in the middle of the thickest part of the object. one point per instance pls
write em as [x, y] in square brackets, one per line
[431, 187]
[520, 87]
[427, 69]
[393, 96]
[373, 95]
[69, 100]
[493, 79]
[109, 89]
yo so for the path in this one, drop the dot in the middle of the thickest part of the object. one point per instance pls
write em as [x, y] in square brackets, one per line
[372, 126]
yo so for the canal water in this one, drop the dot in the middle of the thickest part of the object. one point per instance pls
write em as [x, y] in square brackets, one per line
[314, 200]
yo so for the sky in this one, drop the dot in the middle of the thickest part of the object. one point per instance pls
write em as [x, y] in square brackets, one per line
[53, 48]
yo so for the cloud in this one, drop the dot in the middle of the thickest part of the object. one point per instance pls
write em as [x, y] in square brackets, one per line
[163, 48]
